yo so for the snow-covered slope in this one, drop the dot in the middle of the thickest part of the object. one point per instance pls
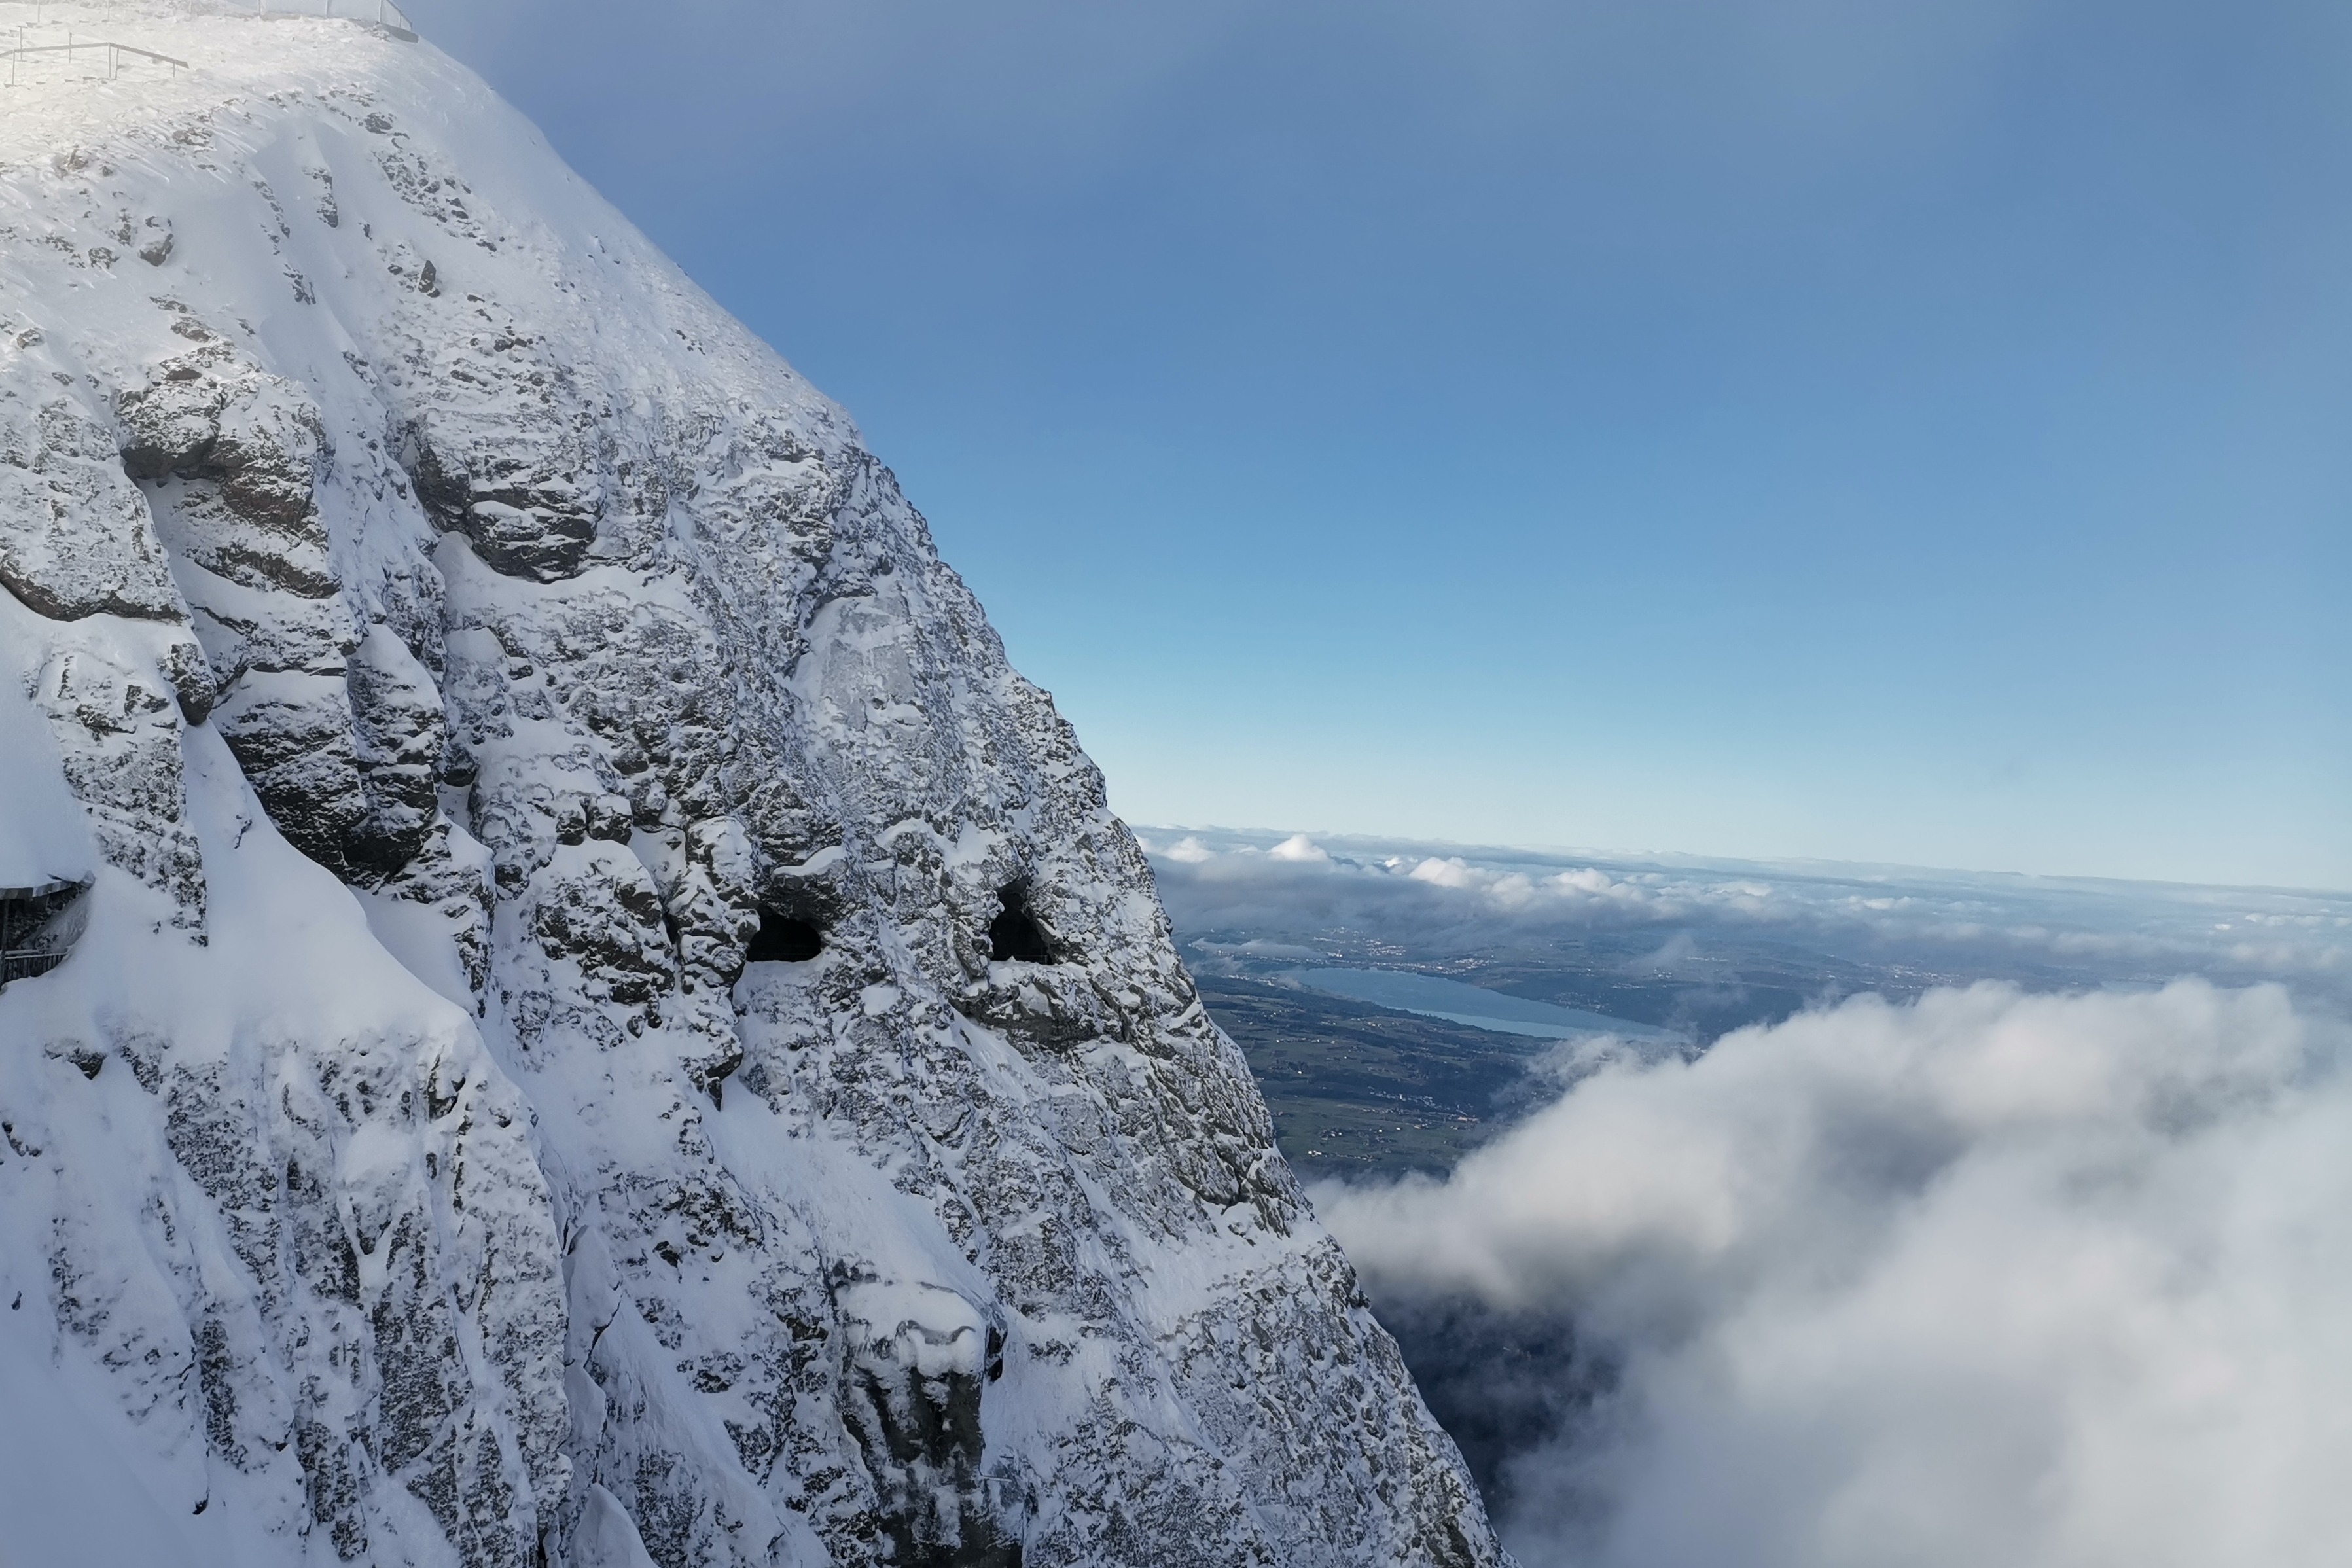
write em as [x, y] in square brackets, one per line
[450, 645]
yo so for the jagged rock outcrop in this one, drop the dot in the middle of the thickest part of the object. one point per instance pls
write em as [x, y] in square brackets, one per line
[640, 1036]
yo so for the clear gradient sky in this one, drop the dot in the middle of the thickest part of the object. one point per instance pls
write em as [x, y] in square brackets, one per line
[1912, 432]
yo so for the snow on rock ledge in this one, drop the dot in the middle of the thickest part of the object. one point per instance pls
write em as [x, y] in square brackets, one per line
[450, 642]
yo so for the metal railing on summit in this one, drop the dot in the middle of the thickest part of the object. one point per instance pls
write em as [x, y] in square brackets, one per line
[384, 12]
[105, 49]
[381, 12]
[27, 54]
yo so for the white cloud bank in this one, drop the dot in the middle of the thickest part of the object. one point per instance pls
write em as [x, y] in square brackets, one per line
[2042, 1283]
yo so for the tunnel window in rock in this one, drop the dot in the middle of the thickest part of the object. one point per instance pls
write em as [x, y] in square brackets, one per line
[1014, 933]
[784, 939]
[38, 926]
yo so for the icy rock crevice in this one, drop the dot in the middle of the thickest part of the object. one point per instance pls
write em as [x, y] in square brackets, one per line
[409, 513]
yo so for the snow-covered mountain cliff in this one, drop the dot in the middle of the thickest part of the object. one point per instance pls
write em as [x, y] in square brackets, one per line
[607, 1024]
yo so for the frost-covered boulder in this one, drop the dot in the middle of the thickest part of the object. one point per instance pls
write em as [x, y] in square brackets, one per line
[613, 1027]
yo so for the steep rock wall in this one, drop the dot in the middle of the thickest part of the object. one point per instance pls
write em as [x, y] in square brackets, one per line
[462, 641]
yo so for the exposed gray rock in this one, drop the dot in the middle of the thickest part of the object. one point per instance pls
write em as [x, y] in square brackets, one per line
[74, 539]
[118, 729]
[398, 740]
[765, 1197]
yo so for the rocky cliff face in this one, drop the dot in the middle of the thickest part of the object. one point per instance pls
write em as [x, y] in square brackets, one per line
[613, 1027]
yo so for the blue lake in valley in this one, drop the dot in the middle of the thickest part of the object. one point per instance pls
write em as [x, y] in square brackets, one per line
[1434, 998]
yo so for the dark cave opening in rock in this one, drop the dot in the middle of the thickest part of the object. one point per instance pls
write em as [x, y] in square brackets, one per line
[1014, 933]
[783, 939]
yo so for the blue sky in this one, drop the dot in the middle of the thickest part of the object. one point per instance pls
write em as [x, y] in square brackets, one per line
[1901, 432]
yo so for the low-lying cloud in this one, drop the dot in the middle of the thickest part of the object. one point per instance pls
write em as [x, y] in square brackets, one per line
[2055, 1282]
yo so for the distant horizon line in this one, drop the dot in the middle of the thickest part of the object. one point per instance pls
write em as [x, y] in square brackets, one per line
[1687, 858]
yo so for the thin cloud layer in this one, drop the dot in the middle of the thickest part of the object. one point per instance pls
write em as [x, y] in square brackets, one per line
[1339, 894]
[2046, 1282]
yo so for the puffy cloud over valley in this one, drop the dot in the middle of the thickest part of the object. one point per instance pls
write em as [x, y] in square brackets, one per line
[2051, 1281]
